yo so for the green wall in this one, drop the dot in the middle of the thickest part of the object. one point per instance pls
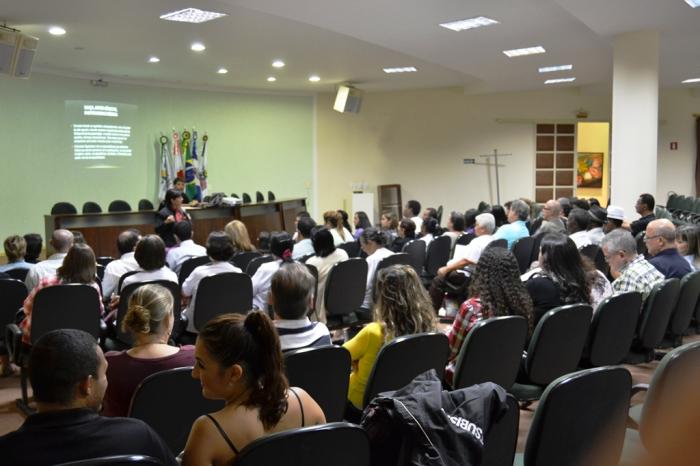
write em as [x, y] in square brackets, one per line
[256, 142]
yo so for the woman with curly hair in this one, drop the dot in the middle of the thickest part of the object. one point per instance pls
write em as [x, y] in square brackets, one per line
[402, 307]
[495, 290]
[238, 360]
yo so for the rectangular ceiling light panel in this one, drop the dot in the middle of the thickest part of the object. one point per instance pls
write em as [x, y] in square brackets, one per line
[192, 15]
[405, 69]
[471, 23]
[693, 3]
[525, 51]
[549, 69]
[557, 81]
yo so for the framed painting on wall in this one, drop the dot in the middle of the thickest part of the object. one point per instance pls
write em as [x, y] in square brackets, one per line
[589, 170]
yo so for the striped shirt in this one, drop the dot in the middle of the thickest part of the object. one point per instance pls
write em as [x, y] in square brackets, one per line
[470, 312]
[302, 333]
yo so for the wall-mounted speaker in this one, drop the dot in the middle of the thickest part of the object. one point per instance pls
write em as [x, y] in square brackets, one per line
[8, 50]
[26, 50]
[347, 100]
[17, 52]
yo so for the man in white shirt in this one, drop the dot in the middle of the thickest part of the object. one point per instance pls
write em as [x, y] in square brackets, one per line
[412, 211]
[220, 250]
[459, 268]
[126, 243]
[577, 226]
[186, 248]
[61, 241]
[303, 246]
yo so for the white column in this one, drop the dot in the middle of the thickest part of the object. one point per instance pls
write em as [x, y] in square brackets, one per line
[635, 118]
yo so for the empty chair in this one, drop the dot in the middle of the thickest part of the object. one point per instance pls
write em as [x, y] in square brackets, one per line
[145, 204]
[12, 295]
[119, 206]
[256, 262]
[246, 198]
[337, 443]
[612, 329]
[502, 438]
[116, 460]
[221, 294]
[404, 358]
[345, 291]
[491, 352]
[522, 250]
[169, 402]
[242, 259]
[63, 208]
[436, 256]
[352, 248]
[235, 195]
[259, 197]
[685, 308]
[270, 196]
[189, 265]
[555, 349]
[91, 207]
[329, 385]
[589, 407]
[416, 255]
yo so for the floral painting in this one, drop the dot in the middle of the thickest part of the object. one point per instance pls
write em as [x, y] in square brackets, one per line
[589, 170]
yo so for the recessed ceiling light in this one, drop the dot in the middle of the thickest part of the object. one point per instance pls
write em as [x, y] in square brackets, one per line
[561, 80]
[56, 31]
[153, 60]
[693, 3]
[405, 69]
[222, 70]
[271, 79]
[471, 23]
[523, 52]
[549, 69]
[191, 15]
[314, 78]
[278, 64]
[198, 47]
[691, 80]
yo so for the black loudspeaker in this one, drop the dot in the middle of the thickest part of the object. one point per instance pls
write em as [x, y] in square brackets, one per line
[347, 100]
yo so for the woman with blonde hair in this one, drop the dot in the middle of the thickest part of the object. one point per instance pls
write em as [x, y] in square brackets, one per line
[402, 307]
[238, 233]
[150, 320]
[333, 221]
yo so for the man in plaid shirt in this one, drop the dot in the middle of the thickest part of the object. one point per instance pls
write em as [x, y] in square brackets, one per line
[630, 270]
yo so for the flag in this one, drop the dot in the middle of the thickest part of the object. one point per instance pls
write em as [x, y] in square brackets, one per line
[177, 157]
[202, 167]
[167, 173]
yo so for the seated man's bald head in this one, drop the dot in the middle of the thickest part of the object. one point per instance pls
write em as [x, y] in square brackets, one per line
[62, 240]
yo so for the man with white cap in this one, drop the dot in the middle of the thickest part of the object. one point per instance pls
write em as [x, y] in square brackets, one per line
[616, 217]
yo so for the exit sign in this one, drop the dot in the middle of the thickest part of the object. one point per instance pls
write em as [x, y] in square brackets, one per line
[674, 145]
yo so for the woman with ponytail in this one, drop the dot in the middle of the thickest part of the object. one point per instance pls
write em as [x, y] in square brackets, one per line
[333, 220]
[281, 245]
[150, 320]
[238, 360]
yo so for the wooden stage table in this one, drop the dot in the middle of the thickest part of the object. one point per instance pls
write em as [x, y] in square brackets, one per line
[101, 230]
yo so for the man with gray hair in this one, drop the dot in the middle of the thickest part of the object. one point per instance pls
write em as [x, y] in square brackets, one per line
[61, 241]
[630, 270]
[459, 268]
[660, 239]
[551, 221]
[516, 228]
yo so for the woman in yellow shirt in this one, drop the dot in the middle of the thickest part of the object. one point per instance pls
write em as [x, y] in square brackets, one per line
[402, 307]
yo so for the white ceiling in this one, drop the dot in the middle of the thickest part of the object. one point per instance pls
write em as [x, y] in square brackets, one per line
[345, 41]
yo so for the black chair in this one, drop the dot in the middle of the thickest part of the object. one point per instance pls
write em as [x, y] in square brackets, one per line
[242, 259]
[314, 272]
[400, 258]
[246, 198]
[612, 330]
[416, 252]
[270, 196]
[63, 208]
[256, 262]
[352, 248]
[104, 260]
[100, 272]
[345, 443]
[502, 438]
[589, 406]
[404, 358]
[491, 352]
[145, 204]
[685, 308]
[189, 265]
[259, 197]
[436, 256]
[323, 373]
[522, 250]
[119, 206]
[117, 460]
[654, 320]
[12, 296]
[235, 195]
[641, 244]
[498, 243]
[170, 401]
[594, 253]
[124, 277]
[345, 291]
[465, 239]
[536, 249]
[439, 215]
[18, 274]
[91, 207]
[222, 293]
[554, 350]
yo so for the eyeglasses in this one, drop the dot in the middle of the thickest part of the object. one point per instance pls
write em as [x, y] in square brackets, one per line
[647, 238]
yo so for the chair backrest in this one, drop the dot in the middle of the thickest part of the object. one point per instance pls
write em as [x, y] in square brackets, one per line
[522, 249]
[270, 196]
[502, 437]
[125, 294]
[12, 295]
[416, 253]
[491, 352]
[438, 254]
[465, 239]
[314, 272]
[498, 243]
[91, 207]
[404, 358]
[439, 214]
[557, 342]
[246, 198]
[256, 262]
[400, 258]
[124, 277]
[657, 313]
[641, 244]
[170, 401]
[612, 329]
[100, 272]
[675, 378]
[594, 253]
[345, 287]
[104, 260]
[145, 204]
[189, 265]
[235, 195]
[18, 274]
[259, 197]
[242, 259]
[223, 293]
[352, 248]
[73, 306]
[323, 373]
[589, 406]
[337, 443]
[685, 307]
[119, 206]
[117, 460]
[63, 208]
[536, 248]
